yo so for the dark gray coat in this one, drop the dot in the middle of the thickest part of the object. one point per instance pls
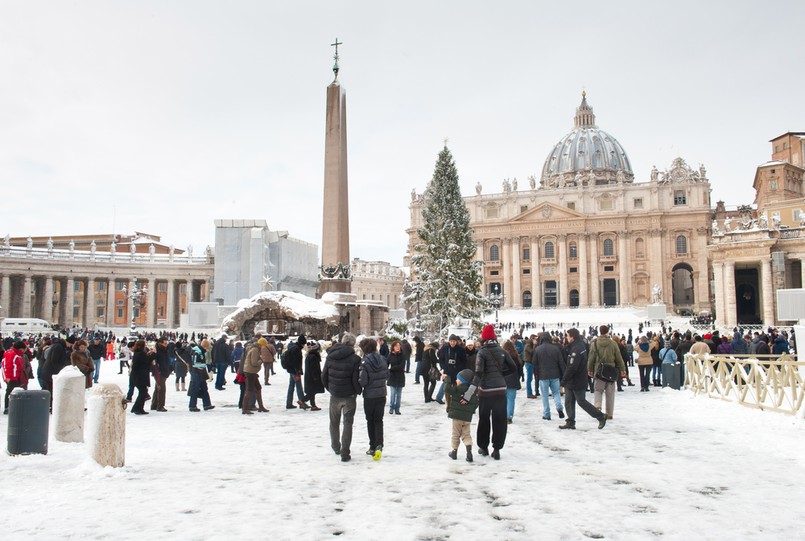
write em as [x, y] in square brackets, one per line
[373, 375]
[341, 370]
[549, 361]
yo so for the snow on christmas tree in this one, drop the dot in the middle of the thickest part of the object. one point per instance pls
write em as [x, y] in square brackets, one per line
[447, 279]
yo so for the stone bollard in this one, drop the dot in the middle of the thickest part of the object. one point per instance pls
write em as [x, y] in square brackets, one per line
[68, 405]
[106, 425]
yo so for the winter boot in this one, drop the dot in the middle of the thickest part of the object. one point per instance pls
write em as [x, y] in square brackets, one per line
[469, 453]
[568, 426]
[177, 385]
[496, 454]
[453, 454]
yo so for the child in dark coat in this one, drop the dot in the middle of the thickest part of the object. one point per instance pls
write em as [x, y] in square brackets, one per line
[460, 413]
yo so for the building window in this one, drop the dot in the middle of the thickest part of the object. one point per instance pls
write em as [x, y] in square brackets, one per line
[119, 313]
[523, 208]
[99, 311]
[549, 254]
[571, 205]
[494, 273]
[681, 245]
[638, 202]
[606, 204]
[526, 271]
[609, 247]
[101, 286]
[526, 254]
[120, 285]
[608, 268]
[163, 287]
[797, 215]
[574, 269]
[680, 197]
[572, 249]
[494, 253]
[491, 212]
[120, 302]
[640, 248]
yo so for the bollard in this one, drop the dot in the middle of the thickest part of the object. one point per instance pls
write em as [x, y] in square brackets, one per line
[106, 425]
[68, 405]
[28, 417]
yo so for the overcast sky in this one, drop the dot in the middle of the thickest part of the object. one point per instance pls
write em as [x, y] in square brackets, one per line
[161, 116]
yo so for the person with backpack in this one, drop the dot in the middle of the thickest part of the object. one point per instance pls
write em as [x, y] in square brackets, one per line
[250, 369]
[604, 351]
[291, 361]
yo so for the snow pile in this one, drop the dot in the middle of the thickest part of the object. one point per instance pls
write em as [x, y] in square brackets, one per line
[291, 305]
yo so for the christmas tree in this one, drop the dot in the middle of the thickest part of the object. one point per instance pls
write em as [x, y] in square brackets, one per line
[446, 278]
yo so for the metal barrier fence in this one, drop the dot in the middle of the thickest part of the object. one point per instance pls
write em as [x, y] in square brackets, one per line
[765, 382]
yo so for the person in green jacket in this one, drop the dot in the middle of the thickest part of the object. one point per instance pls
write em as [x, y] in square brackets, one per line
[604, 350]
[460, 413]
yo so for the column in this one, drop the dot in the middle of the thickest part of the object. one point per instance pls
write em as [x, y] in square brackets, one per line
[505, 260]
[26, 296]
[48, 300]
[623, 266]
[595, 285]
[730, 308]
[536, 293]
[583, 276]
[129, 303]
[151, 305]
[517, 300]
[802, 272]
[768, 293]
[718, 286]
[562, 255]
[111, 287]
[69, 301]
[656, 255]
[89, 310]
[171, 309]
[5, 295]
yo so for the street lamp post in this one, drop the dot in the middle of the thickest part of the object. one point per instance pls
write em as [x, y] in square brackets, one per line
[137, 297]
[496, 298]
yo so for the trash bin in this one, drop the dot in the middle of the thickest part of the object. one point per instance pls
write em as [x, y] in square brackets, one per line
[671, 376]
[28, 419]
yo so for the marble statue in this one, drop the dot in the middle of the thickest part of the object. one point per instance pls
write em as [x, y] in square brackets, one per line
[30, 243]
[715, 229]
[514, 184]
[151, 249]
[727, 224]
[775, 220]
[620, 177]
[71, 245]
[413, 194]
[532, 181]
[591, 178]
[132, 248]
[7, 241]
[113, 249]
[507, 187]
[656, 294]
[654, 173]
[478, 188]
[578, 181]
[702, 172]
[50, 245]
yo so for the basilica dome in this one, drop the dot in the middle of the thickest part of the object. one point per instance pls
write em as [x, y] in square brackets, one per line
[586, 156]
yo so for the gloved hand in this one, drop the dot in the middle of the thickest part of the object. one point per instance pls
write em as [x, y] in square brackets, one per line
[468, 395]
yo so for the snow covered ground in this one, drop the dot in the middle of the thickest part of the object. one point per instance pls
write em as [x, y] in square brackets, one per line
[669, 466]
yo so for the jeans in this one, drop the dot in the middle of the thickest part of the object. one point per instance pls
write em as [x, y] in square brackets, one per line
[511, 394]
[494, 407]
[418, 372]
[341, 407]
[645, 375]
[198, 387]
[573, 397]
[656, 372]
[373, 408]
[553, 385]
[292, 382]
[220, 375]
[529, 375]
[395, 394]
[408, 364]
[440, 392]
[97, 363]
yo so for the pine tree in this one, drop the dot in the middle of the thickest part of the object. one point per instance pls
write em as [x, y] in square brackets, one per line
[448, 280]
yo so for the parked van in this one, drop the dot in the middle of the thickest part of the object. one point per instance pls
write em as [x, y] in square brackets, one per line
[26, 325]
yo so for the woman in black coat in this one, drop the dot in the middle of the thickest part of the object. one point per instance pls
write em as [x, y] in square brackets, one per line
[429, 360]
[312, 378]
[396, 379]
[140, 376]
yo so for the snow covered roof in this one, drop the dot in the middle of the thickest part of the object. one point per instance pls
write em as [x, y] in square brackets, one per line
[285, 304]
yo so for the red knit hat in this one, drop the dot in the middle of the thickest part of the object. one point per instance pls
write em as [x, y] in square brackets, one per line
[488, 333]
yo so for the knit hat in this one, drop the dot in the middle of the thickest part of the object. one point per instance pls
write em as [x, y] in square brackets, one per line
[465, 376]
[488, 333]
[262, 342]
[301, 341]
[453, 338]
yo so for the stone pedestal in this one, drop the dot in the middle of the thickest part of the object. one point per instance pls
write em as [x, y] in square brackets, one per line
[106, 425]
[68, 405]
[656, 312]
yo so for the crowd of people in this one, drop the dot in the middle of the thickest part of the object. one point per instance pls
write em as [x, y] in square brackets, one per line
[482, 375]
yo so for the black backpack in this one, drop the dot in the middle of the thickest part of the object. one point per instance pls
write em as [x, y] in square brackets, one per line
[285, 363]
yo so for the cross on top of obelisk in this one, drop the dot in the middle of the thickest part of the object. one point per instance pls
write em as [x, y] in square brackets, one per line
[335, 66]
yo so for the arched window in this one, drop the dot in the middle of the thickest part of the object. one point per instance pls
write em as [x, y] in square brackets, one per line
[640, 248]
[572, 250]
[549, 254]
[681, 245]
[526, 299]
[494, 253]
[609, 247]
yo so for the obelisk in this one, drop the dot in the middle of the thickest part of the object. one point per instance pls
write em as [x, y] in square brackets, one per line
[335, 272]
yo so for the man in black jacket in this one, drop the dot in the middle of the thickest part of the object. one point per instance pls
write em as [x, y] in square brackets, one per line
[574, 381]
[97, 352]
[340, 376]
[293, 365]
[222, 358]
